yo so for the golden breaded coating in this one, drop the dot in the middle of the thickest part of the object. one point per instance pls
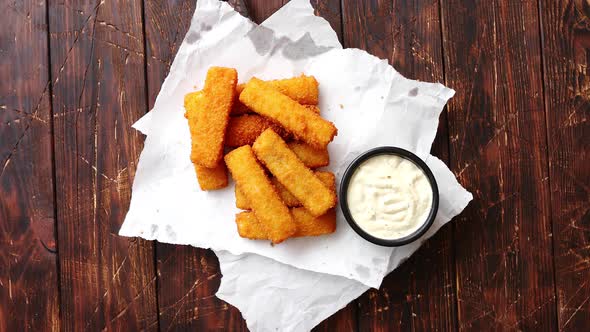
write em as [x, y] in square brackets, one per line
[265, 202]
[249, 227]
[212, 178]
[274, 153]
[306, 125]
[219, 91]
[313, 108]
[286, 196]
[209, 178]
[192, 102]
[240, 109]
[244, 129]
[307, 225]
[237, 109]
[327, 178]
[310, 156]
[241, 200]
[303, 89]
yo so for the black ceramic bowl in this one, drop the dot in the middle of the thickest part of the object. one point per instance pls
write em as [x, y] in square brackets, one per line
[406, 155]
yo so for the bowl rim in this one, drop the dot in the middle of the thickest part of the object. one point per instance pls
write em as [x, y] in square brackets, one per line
[388, 150]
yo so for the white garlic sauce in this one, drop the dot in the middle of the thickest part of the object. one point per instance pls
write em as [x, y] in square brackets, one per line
[389, 196]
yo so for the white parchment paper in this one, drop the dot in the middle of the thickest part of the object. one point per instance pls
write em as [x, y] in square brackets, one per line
[306, 279]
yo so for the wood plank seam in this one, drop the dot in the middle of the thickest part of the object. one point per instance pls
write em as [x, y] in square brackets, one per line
[29, 258]
[147, 103]
[53, 162]
[548, 155]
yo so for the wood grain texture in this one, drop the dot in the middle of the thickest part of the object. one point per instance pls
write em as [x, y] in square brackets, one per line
[188, 280]
[29, 298]
[331, 10]
[566, 49]
[260, 10]
[188, 277]
[498, 151]
[107, 282]
[420, 295]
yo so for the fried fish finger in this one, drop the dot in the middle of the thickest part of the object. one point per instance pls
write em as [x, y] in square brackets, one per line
[265, 202]
[310, 156]
[212, 178]
[192, 102]
[244, 129]
[327, 178]
[274, 153]
[241, 200]
[303, 89]
[305, 124]
[208, 178]
[307, 225]
[209, 135]
[313, 108]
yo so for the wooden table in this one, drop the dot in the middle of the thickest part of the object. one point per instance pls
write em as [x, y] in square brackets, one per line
[76, 74]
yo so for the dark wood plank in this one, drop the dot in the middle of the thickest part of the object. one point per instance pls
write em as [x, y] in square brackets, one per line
[187, 277]
[566, 49]
[29, 298]
[107, 282]
[166, 23]
[188, 280]
[420, 294]
[498, 151]
[260, 10]
[331, 10]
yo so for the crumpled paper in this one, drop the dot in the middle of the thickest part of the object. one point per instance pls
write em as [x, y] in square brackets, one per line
[258, 285]
[305, 280]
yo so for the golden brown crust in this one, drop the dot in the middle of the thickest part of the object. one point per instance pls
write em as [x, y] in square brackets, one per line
[310, 156]
[241, 200]
[307, 225]
[259, 192]
[212, 178]
[211, 124]
[192, 102]
[303, 89]
[208, 178]
[249, 227]
[327, 178]
[306, 125]
[244, 129]
[274, 153]
[286, 196]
